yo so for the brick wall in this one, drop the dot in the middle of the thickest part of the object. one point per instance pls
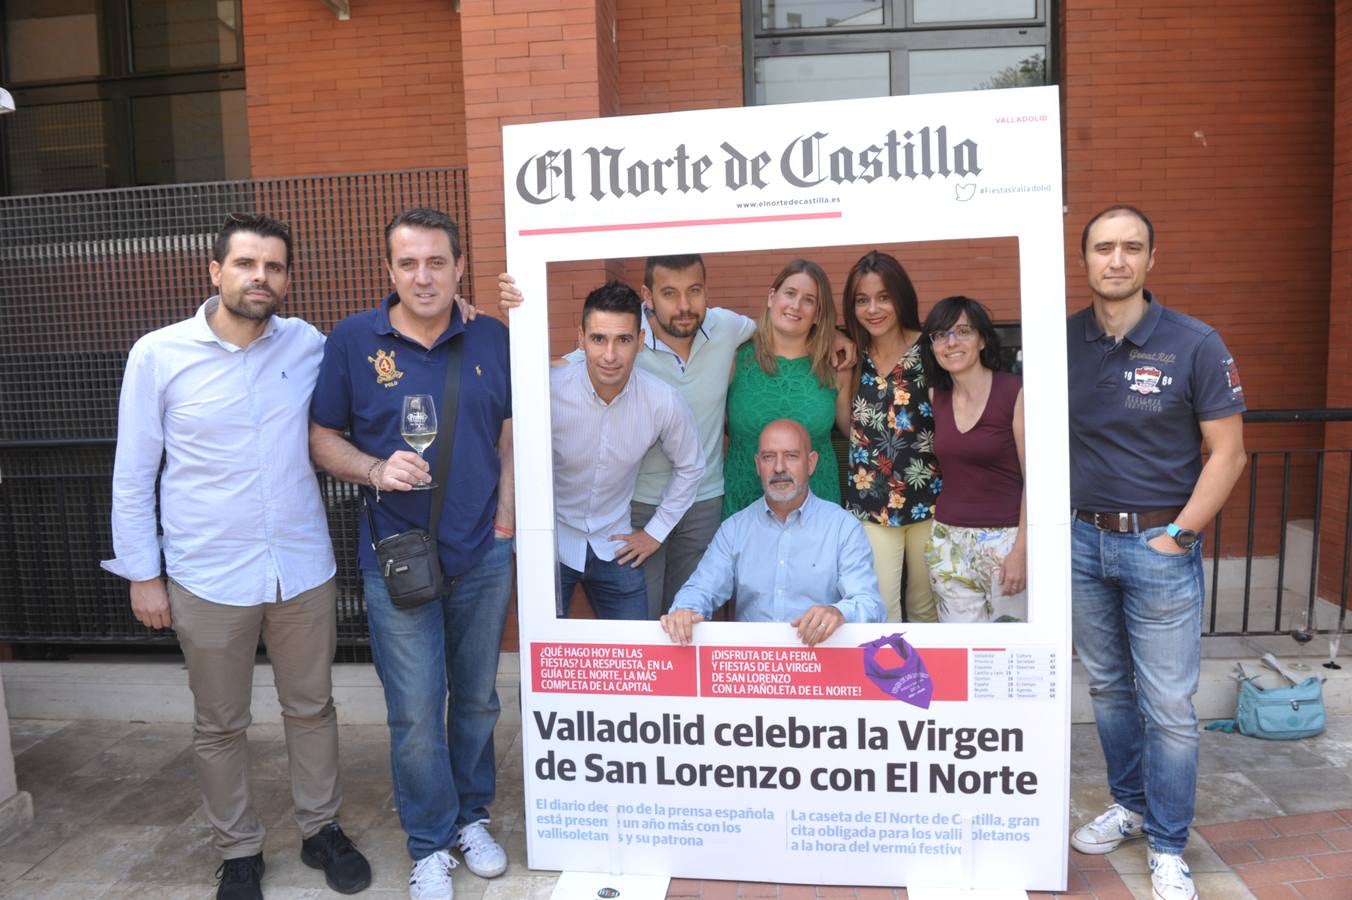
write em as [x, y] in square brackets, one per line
[679, 56]
[1215, 119]
[1340, 311]
[379, 91]
[526, 63]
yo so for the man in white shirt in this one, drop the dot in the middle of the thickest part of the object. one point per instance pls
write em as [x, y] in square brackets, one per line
[224, 399]
[605, 416]
[690, 346]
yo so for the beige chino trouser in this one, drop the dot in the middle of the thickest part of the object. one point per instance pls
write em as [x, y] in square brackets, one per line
[219, 643]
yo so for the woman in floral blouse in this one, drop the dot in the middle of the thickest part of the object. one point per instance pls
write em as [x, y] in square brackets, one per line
[893, 482]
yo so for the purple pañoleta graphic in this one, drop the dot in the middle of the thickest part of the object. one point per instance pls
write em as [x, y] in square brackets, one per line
[909, 682]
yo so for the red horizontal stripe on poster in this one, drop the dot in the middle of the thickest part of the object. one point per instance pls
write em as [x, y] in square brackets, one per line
[677, 223]
[644, 670]
[823, 673]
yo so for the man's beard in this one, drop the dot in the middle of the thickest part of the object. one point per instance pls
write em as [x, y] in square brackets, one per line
[682, 330]
[784, 490]
[249, 309]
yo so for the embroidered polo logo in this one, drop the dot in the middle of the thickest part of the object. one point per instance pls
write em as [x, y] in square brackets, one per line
[478, 371]
[1146, 380]
[1232, 376]
[386, 373]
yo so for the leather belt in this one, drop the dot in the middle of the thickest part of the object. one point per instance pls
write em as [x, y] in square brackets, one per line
[1128, 522]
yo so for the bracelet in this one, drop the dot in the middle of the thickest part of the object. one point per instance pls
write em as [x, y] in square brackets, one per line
[378, 464]
[504, 533]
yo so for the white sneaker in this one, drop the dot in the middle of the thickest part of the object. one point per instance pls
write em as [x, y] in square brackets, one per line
[484, 856]
[1170, 877]
[1104, 834]
[431, 877]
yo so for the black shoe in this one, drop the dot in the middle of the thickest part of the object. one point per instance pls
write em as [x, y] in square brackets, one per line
[241, 878]
[345, 869]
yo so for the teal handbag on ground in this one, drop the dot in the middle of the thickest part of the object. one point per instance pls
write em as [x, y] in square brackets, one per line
[1284, 713]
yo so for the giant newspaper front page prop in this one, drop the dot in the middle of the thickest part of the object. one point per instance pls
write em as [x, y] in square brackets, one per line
[912, 754]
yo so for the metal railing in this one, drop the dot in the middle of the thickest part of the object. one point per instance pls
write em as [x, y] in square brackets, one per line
[1312, 601]
[82, 276]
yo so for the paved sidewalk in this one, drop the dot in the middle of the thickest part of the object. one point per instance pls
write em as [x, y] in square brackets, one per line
[117, 815]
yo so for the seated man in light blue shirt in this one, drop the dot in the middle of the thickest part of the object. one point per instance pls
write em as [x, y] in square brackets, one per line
[789, 557]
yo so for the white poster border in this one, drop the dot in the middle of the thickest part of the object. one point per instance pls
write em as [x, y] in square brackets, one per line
[1015, 191]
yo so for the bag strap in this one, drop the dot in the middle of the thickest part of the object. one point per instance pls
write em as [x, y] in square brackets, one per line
[450, 403]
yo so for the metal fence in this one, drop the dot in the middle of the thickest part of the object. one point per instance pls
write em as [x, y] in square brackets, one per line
[1304, 590]
[82, 276]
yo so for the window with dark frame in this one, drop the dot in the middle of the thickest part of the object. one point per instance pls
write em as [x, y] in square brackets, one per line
[800, 50]
[118, 93]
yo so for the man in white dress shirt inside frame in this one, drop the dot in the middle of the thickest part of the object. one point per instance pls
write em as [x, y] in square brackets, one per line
[605, 416]
[224, 399]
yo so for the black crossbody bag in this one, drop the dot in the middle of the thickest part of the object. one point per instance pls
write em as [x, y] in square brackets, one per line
[408, 560]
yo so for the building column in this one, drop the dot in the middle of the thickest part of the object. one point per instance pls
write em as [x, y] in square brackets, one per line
[16, 806]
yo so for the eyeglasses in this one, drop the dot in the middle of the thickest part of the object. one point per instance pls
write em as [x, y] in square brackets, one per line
[956, 333]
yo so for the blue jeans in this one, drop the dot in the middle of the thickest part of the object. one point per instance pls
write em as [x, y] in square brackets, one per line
[441, 757]
[614, 591]
[1137, 626]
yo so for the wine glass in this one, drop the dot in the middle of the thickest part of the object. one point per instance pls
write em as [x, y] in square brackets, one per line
[1303, 624]
[418, 426]
[1335, 639]
[1302, 629]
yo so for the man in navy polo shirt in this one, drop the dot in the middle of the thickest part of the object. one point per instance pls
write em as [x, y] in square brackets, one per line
[1148, 387]
[442, 759]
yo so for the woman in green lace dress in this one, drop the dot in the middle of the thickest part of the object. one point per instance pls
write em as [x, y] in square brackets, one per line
[785, 372]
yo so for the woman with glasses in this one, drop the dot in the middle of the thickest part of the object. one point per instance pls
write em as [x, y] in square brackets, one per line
[785, 372]
[977, 553]
[892, 481]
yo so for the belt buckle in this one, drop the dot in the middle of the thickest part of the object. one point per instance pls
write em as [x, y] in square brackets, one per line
[1123, 523]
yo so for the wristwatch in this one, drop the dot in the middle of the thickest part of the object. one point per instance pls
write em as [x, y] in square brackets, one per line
[1183, 537]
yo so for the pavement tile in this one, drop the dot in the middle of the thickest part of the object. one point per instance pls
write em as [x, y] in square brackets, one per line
[1328, 889]
[1089, 861]
[1308, 823]
[1234, 853]
[683, 887]
[793, 892]
[54, 890]
[1276, 870]
[104, 853]
[1291, 845]
[1219, 886]
[719, 890]
[1340, 840]
[757, 889]
[1246, 830]
[1281, 891]
[1101, 879]
[1334, 863]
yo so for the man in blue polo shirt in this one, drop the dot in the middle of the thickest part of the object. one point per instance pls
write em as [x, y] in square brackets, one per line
[1148, 387]
[442, 760]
